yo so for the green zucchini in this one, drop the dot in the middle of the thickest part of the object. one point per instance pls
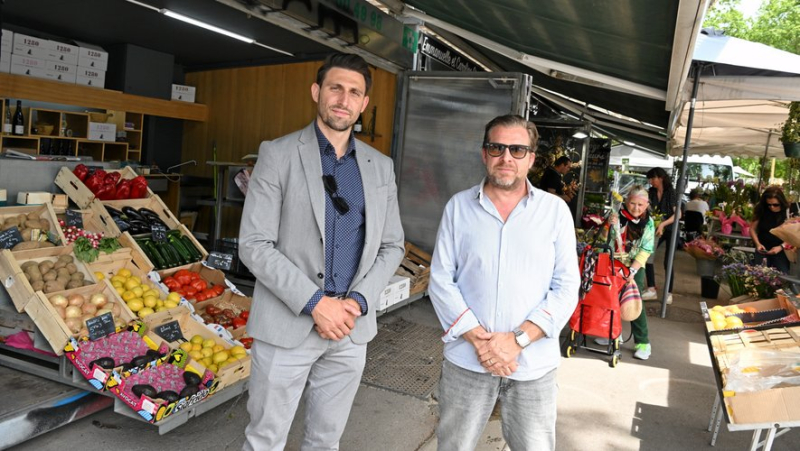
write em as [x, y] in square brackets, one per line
[197, 256]
[155, 257]
[177, 244]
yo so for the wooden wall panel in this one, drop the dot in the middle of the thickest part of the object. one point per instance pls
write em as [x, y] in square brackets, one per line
[249, 105]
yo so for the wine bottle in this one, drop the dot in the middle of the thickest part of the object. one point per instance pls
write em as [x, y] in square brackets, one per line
[357, 127]
[7, 127]
[19, 120]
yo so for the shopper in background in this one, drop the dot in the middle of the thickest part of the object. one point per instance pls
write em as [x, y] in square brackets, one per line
[553, 179]
[695, 217]
[321, 232]
[504, 281]
[662, 200]
[770, 212]
[637, 230]
[696, 203]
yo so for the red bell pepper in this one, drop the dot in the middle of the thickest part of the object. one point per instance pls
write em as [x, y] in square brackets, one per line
[81, 171]
[106, 192]
[112, 177]
[139, 187]
[95, 180]
[123, 189]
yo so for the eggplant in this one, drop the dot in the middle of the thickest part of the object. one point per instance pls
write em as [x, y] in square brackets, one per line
[106, 363]
[168, 396]
[138, 227]
[132, 214]
[191, 379]
[144, 389]
[189, 390]
[114, 212]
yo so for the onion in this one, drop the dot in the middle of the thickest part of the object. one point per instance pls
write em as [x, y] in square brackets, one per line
[74, 324]
[89, 309]
[73, 311]
[85, 318]
[59, 300]
[115, 308]
[98, 300]
[76, 299]
[120, 323]
[103, 311]
[61, 311]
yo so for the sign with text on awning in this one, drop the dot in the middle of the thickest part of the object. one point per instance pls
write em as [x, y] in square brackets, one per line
[446, 55]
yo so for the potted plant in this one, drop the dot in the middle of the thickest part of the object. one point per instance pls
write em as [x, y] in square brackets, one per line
[790, 132]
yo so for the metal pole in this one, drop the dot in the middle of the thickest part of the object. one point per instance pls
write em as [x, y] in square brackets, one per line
[679, 194]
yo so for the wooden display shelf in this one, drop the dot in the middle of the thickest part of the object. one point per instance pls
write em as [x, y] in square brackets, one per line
[21, 87]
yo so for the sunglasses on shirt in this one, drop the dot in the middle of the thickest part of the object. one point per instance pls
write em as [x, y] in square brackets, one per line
[331, 188]
[517, 151]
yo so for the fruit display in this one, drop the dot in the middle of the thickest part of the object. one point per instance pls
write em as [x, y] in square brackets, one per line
[35, 231]
[211, 354]
[75, 309]
[51, 275]
[722, 317]
[110, 185]
[230, 311]
[124, 350]
[166, 382]
[177, 250]
[142, 297]
[192, 286]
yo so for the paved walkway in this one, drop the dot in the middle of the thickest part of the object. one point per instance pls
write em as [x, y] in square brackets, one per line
[660, 404]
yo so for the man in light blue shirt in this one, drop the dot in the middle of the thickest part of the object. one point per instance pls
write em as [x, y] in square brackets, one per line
[504, 281]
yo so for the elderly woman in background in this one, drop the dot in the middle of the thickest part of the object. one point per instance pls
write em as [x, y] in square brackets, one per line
[637, 230]
[770, 212]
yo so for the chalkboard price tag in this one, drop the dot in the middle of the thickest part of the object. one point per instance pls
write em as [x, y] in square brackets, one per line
[10, 238]
[100, 326]
[220, 260]
[170, 331]
[159, 232]
[74, 218]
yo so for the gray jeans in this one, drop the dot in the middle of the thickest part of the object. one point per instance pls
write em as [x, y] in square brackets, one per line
[466, 400]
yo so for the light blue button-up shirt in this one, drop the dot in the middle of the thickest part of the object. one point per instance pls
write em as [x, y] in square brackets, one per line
[497, 275]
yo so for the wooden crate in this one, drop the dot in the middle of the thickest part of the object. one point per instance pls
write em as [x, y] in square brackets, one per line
[190, 326]
[128, 241]
[19, 289]
[416, 265]
[230, 300]
[110, 264]
[153, 202]
[53, 328]
[44, 211]
[79, 193]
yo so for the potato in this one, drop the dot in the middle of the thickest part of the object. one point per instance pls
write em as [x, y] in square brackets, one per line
[74, 284]
[11, 222]
[66, 258]
[28, 264]
[49, 275]
[38, 285]
[26, 234]
[25, 245]
[87, 282]
[45, 266]
[63, 280]
[77, 276]
[43, 244]
[53, 286]
[33, 215]
[21, 219]
[33, 224]
[5, 227]
[60, 264]
[72, 268]
[44, 223]
[27, 276]
[63, 272]
[34, 276]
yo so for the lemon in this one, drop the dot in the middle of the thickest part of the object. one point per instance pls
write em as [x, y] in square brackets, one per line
[127, 295]
[150, 301]
[120, 290]
[124, 272]
[213, 368]
[720, 324]
[210, 343]
[716, 316]
[174, 297]
[205, 361]
[135, 304]
[117, 284]
[152, 292]
[131, 283]
[207, 352]
[197, 347]
[138, 291]
[170, 304]
[99, 276]
[218, 348]
[195, 355]
[734, 322]
[238, 351]
[197, 339]
[186, 346]
[220, 357]
[119, 279]
[231, 361]
[160, 309]
[145, 311]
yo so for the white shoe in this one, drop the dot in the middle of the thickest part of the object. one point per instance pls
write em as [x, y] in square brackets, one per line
[642, 351]
[602, 341]
[649, 295]
[669, 298]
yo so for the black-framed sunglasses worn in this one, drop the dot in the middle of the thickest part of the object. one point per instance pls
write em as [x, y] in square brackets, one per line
[773, 205]
[497, 150]
[331, 188]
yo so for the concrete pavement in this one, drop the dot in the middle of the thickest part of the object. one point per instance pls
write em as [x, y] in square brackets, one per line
[660, 404]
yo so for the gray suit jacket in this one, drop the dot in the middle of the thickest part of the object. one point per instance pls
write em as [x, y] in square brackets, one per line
[281, 238]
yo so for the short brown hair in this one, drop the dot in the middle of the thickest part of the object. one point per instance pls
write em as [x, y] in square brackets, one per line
[347, 61]
[513, 120]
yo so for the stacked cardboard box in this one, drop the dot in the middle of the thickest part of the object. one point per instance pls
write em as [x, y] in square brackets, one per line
[53, 60]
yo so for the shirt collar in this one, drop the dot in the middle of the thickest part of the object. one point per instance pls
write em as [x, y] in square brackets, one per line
[479, 193]
[325, 145]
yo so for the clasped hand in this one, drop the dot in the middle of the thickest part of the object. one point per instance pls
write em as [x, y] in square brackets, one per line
[334, 319]
[497, 351]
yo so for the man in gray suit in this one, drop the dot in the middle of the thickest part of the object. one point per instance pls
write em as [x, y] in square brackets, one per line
[321, 232]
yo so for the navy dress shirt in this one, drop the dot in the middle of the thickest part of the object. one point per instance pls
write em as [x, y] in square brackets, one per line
[344, 233]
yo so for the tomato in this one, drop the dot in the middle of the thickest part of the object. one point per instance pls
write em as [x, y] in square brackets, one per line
[213, 311]
[201, 296]
[238, 322]
[210, 293]
[199, 284]
[171, 283]
[183, 279]
[218, 289]
[194, 276]
[189, 291]
[247, 342]
[245, 315]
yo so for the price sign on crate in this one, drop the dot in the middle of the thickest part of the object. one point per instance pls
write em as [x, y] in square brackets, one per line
[10, 238]
[170, 331]
[100, 326]
[220, 260]
[159, 232]
[74, 218]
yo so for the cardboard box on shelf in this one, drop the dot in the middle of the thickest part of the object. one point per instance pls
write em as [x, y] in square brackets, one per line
[102, 131]
[30, 46]
[7, 41]
[93, 57]
[33, 197]
[63, 53]
[183, 93]
[5, 62]
[90, 77]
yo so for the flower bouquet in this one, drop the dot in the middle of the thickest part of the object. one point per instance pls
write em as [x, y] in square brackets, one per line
[758, 281]
[703, 249]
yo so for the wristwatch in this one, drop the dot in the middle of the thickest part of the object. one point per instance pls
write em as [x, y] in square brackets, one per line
[521, 338]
